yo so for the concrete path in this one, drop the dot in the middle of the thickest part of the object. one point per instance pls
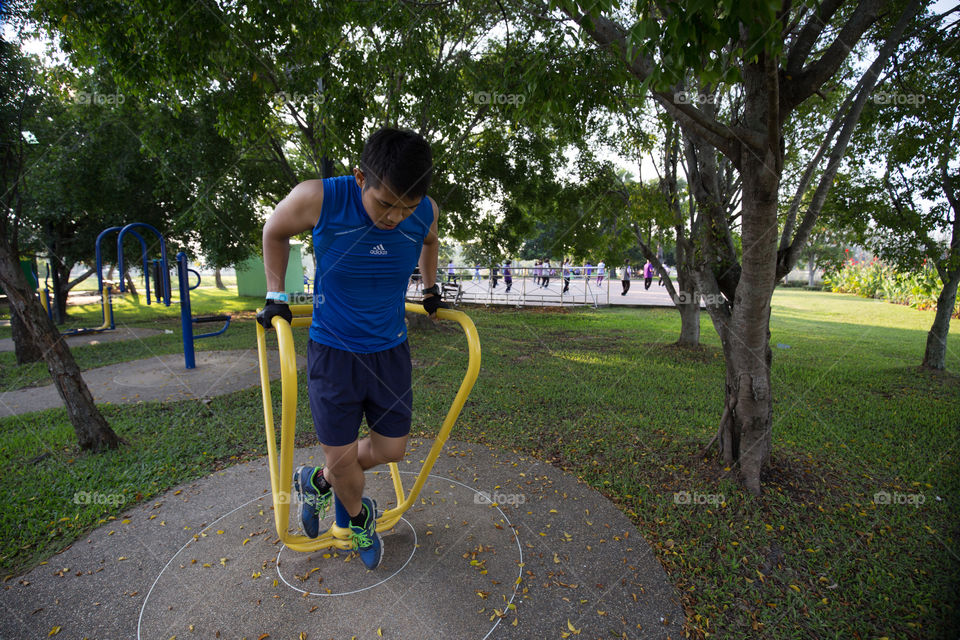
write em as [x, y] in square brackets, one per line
[162, 378]
[122, 333]
[552, 557]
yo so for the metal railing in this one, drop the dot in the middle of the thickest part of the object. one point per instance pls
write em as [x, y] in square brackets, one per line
[529, 286]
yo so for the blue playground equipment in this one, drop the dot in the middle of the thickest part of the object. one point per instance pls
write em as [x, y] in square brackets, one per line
[106, 302]
[161, 289]
[186, 319]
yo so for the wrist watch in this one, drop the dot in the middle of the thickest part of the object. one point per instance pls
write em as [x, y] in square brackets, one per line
[434, 290]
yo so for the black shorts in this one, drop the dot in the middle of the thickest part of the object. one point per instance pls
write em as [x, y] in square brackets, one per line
[344, 387]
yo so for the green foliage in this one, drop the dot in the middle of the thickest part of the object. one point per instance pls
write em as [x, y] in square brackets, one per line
[875, 279]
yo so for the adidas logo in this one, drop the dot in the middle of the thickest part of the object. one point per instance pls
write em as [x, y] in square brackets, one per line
[378, 250]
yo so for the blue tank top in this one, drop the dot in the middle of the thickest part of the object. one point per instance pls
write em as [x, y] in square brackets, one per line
[362, 271]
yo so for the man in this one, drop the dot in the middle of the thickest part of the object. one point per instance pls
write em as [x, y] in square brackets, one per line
[369, 232]
[625, 280]
[507, 276]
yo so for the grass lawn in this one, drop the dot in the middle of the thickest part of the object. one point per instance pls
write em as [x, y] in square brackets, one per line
[855, 536]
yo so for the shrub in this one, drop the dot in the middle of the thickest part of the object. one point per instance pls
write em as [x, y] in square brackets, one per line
[875, 279]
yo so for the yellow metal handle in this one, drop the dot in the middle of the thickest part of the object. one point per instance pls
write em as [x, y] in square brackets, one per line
[281, 466]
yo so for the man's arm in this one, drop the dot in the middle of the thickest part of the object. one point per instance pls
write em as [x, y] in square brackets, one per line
[296, 213]
[430, 253]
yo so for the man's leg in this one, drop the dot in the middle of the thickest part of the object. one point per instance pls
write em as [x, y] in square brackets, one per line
[344, 472]
[378, 449]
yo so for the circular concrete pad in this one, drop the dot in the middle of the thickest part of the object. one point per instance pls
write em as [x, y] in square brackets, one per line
[160, 378]
[450, 549]
[180, 560]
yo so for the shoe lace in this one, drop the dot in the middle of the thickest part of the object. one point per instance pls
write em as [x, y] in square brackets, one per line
[360, 537]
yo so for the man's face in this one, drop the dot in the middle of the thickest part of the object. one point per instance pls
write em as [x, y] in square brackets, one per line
[386, 207]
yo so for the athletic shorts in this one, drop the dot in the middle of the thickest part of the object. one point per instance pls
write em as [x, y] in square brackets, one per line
[344, 387]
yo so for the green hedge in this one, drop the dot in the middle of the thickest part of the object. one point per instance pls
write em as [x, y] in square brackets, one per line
[875, 279]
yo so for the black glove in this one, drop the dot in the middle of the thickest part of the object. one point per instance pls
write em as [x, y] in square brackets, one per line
[273, 308]
[432, 303]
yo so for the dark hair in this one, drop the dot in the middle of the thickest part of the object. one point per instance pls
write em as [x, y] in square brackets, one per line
[400, 158]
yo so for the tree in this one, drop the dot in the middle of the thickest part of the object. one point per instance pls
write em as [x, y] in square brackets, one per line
[910, 190]
[23, 107]
[775, 57]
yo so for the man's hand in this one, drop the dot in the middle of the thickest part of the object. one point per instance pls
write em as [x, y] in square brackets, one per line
[273, 308]
[432, 301]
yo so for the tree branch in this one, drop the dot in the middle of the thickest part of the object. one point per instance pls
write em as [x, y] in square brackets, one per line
[787, 259]
[612, 37]
[808, 80]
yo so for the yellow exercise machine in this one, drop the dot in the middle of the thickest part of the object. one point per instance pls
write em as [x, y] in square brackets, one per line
[281, 466]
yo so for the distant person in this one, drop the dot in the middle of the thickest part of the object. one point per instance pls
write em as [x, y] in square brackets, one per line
[536, 272]
[566, 275]
[476, 273]
[625, 281]
[507, 276]
[494, 276]
[546, 273]
[647, 275]
[451, 272]
[600, 272]
[587, 272]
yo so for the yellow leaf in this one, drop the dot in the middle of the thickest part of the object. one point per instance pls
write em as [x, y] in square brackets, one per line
[379, 632]
[53, 631]
[572, 628]
[795, 588]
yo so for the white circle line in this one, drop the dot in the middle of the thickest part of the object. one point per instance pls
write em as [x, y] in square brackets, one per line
[516, 537]
[186, 544]
[348, 593]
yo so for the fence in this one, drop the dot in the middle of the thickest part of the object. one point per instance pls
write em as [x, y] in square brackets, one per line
[529, 286]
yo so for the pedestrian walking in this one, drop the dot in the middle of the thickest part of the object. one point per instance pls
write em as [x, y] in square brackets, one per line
[647, 275]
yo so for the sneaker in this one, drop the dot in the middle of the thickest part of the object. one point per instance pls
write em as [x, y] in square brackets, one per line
[365, 539]
[313, 503]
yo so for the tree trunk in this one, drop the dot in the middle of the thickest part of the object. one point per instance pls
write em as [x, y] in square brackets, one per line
[934, 357]
[689, 323]
[93, 432]
[24, 347]
[61, 285]
[131, 288]
[218, 279]
[811, 266]
[746, 431]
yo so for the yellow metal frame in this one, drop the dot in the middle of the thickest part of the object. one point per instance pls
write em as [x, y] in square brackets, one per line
[281, 466]
[44, 293]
